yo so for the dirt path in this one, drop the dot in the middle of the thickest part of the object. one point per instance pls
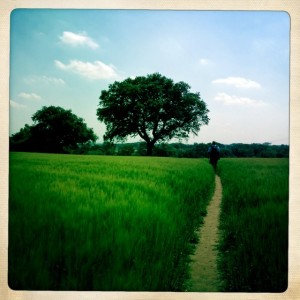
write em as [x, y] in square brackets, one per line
[204, 275]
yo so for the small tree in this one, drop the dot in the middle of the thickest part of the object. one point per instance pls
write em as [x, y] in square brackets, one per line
[54, 130]
[153, 107]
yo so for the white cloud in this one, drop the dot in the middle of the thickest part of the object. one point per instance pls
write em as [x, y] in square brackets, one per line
[16, 105]
[235, 100]
[78, 39]
[90, 70]
[239, 82]
[30, 96]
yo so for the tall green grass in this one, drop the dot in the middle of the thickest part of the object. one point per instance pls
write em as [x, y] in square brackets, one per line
[254, 225]
[103, 223]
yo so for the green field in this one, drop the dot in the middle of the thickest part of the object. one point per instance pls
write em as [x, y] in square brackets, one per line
[128, 223]
[103, 223]
[254, 224]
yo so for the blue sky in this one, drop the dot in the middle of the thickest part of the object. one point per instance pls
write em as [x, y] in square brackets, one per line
[238, 61]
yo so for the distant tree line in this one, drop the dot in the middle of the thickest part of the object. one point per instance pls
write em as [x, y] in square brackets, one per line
[198, 150]
[180, 150]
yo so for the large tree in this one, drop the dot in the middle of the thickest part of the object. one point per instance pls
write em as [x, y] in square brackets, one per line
[54, 130]
[153, 107]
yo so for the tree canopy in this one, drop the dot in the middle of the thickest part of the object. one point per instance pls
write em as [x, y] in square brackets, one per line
[152, 107]
[54, 130]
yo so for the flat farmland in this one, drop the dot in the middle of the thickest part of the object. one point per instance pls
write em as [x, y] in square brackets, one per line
[109, 223]
[104, 223]
[253, 247]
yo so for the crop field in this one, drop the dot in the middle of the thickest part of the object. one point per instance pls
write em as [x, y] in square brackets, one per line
[104, 223]
[112, 223]
[253, 254]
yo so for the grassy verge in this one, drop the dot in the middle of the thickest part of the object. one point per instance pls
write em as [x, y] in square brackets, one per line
[254, 224]
[103, 223]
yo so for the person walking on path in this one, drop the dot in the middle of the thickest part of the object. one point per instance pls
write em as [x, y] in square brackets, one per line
[214, 154]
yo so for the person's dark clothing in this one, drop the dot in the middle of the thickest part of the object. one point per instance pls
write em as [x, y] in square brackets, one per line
[214, 155]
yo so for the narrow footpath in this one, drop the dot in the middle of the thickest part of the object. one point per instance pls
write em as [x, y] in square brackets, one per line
[204, 274]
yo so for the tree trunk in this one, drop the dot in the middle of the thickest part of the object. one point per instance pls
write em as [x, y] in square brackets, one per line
[150, 146]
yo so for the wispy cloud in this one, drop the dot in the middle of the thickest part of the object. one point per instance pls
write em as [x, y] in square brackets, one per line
[16, 105]
[52, 80]
[90, 70]
[235, 100]
[239, 82]
[30, 96]
[45, 80]
[78, 39]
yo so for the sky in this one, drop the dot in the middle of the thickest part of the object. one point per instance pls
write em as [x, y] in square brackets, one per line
[237, 60]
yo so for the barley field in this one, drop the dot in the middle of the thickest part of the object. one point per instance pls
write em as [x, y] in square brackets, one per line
[253, 249]
[104, 223]
[109, 223]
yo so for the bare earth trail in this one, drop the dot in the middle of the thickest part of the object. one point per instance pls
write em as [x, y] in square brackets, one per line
[204, 274]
